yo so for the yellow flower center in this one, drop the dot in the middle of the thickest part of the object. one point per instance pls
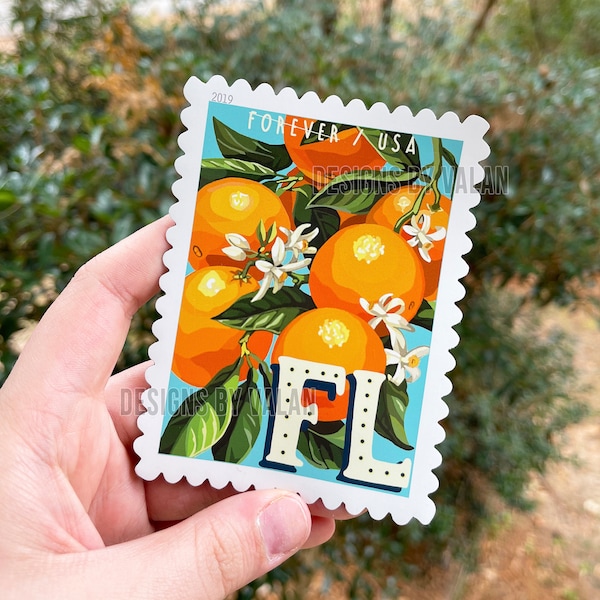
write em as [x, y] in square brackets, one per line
[368, 248]
[333, 332]
[402, 203]
[413, 361]
[239, 201]
[211, 284]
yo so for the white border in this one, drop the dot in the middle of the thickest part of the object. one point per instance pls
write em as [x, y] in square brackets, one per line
[444, 338]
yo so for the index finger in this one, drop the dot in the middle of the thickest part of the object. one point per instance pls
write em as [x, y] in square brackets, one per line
[75, 346]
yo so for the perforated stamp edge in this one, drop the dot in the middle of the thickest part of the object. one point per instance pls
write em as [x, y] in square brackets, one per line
[418, 504]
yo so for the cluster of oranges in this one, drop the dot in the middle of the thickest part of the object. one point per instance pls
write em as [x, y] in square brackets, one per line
[366, 259]
[204, 346]
[320, 161]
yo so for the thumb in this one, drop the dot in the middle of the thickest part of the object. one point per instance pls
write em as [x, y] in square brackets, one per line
[209, 555]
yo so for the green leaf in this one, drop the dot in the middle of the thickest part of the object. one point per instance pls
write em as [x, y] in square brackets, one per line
[200, 432]
[326, 219]
[191, 405]
[358, 191]
[271, 313]
[391, 410]
[394, 144]
[242, 433]
[7, 198]
[306, 191]
[82, 143]
[219, 168]
[424, 316]
[267, 376]
[272, 233]
[261, 233]
[237, 145]
[203, 416]
[323, 444]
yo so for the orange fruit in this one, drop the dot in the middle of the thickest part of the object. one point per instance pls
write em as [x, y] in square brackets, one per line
[333, 153]
[366, 261]
[231, 205]
[204, 346]
[394, 205]
[334, 337]
[431, 271]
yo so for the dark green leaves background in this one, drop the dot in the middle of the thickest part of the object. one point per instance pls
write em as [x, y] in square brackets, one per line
[75, 176]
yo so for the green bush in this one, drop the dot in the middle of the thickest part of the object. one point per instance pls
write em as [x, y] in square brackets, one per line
[89, 117]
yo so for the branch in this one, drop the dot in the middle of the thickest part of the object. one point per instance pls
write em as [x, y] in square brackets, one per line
[477, 28]
[386, 17]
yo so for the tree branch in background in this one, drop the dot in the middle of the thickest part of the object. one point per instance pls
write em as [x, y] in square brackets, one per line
[536, 24]
[477, 28]
[386, 17]
[329, 16]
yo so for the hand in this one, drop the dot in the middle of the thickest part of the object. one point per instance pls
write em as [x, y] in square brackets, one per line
[75, 521]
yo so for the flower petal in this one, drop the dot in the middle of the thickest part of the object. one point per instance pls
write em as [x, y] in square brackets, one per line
[413, 374]
[437, 235]
[234, 253]
[311, 235]
[295, 266]
[264, 265]
[237, 240]
[426, 222]
[398, 341]
[365, 305]
[396, 320]
[420, 351]
[264, 286]
[399, 375]
[278, 251]
[424, 254]
[392, 357]
[374, 322]
[395, 303]
[384, 298]
[301, 228]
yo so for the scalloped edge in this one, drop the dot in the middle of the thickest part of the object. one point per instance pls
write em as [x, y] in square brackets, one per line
[356, 499]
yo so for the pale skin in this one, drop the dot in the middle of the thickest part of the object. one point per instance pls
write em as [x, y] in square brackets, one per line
[75, 520]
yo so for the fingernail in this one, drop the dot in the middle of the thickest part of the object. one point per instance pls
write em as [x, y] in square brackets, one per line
[284, 525]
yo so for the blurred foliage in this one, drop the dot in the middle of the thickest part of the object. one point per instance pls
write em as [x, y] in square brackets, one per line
[90, 96]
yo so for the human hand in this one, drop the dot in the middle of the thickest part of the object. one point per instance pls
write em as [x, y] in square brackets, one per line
[75, 520]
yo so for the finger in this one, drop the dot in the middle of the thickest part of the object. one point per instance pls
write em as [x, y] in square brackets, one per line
[209, 555]
[177, 501]
[82, 333]
[339, 514]
[123, 399]
[321, 531]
